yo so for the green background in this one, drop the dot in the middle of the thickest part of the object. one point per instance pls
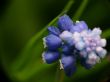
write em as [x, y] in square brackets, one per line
[23, 23]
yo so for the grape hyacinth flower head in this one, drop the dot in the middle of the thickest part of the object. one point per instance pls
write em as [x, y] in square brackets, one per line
[72, 41]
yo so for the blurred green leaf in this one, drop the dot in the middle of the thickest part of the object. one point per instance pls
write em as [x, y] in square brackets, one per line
[106, 34]
[80, 10]
[28, 66]
[97, 14]
[25, 66]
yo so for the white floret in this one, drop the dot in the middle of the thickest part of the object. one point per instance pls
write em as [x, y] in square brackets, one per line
[92, 59]
[97, 31]
[103, 42]
[80, 45]
[65, 35]
[76, 36]
[101, 52]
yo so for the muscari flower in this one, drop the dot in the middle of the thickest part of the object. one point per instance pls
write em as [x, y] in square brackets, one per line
[72, 41]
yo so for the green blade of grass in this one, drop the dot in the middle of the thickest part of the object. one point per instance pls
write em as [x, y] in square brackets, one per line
[106, 34]
[38, 36]
[31, 53]
[80, 10]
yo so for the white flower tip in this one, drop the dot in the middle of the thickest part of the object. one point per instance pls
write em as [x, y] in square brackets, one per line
[43, 57]
[77, 21]
[44, 42]
[61, 65]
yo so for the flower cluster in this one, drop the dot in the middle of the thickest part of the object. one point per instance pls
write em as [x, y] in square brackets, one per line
[73, 41]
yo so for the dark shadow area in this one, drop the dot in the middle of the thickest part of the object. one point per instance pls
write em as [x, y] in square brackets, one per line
[3, 76]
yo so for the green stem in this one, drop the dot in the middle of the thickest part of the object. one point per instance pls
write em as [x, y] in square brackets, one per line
[80, 10]
[68, 6]
[59, 75]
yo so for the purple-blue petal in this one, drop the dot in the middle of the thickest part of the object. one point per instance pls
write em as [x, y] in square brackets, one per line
[67, 49]
[82, 25]
[79, 26]
[68, 60]
[69, 71]
[68, 63]
[54, 30]
[65, 22]
[75, 29]
[70, 42]
[50, 56]
[53, 42]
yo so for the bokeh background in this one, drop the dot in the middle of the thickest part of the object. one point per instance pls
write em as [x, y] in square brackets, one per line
[20, 20]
